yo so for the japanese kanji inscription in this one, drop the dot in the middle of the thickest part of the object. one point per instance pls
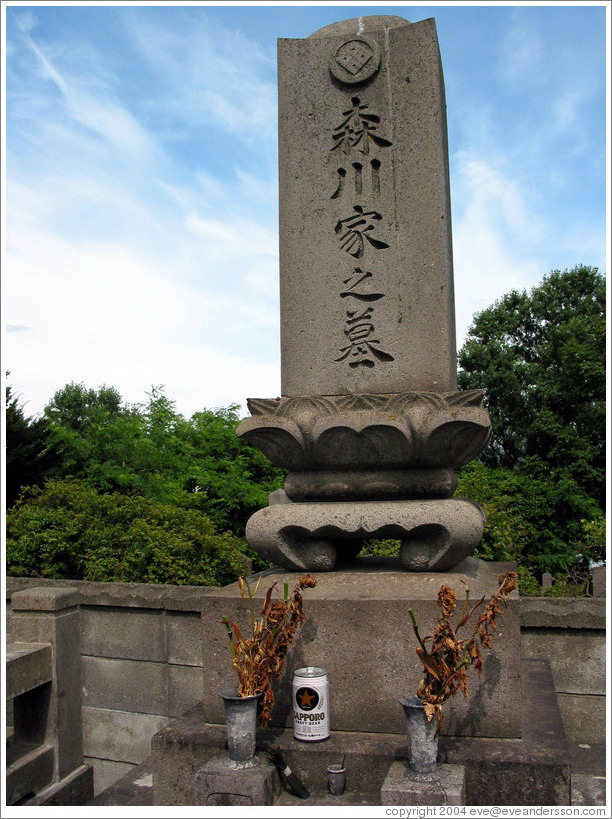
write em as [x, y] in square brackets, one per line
[365, 247]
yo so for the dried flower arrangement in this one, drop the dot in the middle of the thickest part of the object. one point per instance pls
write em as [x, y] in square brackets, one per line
[448, 658]
[258, 660]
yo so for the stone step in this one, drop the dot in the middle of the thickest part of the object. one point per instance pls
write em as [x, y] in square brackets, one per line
[322, 798]
[532, 770]
[28, 665]
[29, 769]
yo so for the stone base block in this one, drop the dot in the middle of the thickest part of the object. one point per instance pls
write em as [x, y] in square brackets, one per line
[447, 788]
[216, 783]
[358, 629]
[435, 535]
[534, 770]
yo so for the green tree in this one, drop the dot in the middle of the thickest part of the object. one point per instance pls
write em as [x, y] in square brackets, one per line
[30, 451]
[97, 435]
[540, 357]
[537, 522]
[154, 451]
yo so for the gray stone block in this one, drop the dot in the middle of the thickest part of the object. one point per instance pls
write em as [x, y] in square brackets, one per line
[563, 613]
[125, 685]
[123, 633]
[576, 657]
[107, 772]
[185, 688]
[74, 789]
[50, 615]
[118, 735]
[41, 598]
[29, 769]
[584, 717]
[532, 770]
[435, 534]
[178, 751]
[394, 177]
[598, 576]
[28, 665]
[448, 787]
[588, 790]
[358, 630]
[183, 638]
[218, 784]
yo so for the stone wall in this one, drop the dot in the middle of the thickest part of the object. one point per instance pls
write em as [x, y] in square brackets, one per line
[141, 663]
[570, 634]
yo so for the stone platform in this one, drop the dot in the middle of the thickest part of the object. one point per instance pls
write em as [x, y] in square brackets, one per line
[358, 629]
[533, 770]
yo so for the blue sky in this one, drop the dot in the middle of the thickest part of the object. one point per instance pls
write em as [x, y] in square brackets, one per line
[141, 225]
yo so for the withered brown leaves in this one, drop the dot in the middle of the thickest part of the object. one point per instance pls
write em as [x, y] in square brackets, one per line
[445, 657]
[258, 660]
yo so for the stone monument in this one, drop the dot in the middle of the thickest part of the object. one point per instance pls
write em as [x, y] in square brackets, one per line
[370, 424]
[371, 428]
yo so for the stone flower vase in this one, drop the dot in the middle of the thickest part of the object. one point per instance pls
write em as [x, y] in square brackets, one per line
[422, 744]
[241, 721]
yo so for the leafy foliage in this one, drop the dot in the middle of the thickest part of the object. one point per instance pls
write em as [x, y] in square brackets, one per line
[30, 452]
[538, 523]
[152, 450]
[541, 359]
[70, 530]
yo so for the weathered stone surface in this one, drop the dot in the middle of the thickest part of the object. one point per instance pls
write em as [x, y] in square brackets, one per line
[365, 235]
[369, 410]
[74, 789]
[584, 717]
[29, 769]
[435, 534]
[119, 735]
[185, 685]
[128, 595]
[448, 788]
[28, 665]
[575, 657]
[125, 685]
[106, 773]
[183, 638]
[359, 631]
[598, 576]
[218, 784]
[371, 484]
[140, 635]
[52, 713]
[563, 612]
[532, 770]
[369, 431]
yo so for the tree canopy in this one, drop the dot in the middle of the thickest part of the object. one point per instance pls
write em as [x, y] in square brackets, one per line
[30, 452]
[541, 358]
[136, 471]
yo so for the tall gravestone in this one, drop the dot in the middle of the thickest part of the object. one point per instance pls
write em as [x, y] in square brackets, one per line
[370, 424]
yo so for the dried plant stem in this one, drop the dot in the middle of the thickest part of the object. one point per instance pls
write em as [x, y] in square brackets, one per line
[447, 659]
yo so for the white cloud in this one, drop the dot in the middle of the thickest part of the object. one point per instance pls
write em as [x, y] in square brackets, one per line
[491, 229]
[209, 74]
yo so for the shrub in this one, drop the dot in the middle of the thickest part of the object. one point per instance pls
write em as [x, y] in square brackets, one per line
[69, 530]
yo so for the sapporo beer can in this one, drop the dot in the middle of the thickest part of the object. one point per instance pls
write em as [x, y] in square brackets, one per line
[310, 704]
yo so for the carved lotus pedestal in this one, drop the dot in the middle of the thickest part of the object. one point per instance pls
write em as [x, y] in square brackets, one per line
[364, 466]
